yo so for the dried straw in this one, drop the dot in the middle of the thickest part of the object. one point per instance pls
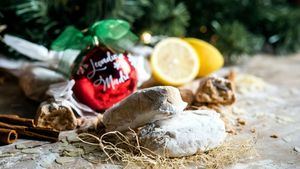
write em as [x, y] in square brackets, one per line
[125, 150]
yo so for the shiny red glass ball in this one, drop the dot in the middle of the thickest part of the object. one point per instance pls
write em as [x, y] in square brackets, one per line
[103, 78]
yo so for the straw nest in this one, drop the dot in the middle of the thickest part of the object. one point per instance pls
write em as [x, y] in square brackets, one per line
[125, 150]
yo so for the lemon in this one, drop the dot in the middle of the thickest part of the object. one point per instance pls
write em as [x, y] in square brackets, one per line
[174, 62]
[210, 58]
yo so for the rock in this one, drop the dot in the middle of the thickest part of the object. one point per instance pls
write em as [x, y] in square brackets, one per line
[55, 115]
[142, 107]
[184, 134]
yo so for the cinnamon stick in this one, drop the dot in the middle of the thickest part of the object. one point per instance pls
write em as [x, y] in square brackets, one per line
[9, 115]
[44, 131]
[33, 132]
[37, 136]
[14, 119]
[13, 127]
[8, 136]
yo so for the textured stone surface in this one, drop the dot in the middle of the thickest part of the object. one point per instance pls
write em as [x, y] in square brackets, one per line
[271, 112]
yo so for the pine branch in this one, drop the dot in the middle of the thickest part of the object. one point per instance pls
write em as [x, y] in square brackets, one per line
[164, 18]
[234, 40]
[243, 25]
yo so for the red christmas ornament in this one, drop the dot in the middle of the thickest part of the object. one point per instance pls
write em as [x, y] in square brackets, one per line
[103, 78]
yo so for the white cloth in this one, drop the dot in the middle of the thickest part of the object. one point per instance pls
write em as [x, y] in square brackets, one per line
[63, 92]
[39, 52]
[139, 59]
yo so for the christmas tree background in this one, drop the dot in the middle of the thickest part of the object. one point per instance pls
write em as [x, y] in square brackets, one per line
[236, 27]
